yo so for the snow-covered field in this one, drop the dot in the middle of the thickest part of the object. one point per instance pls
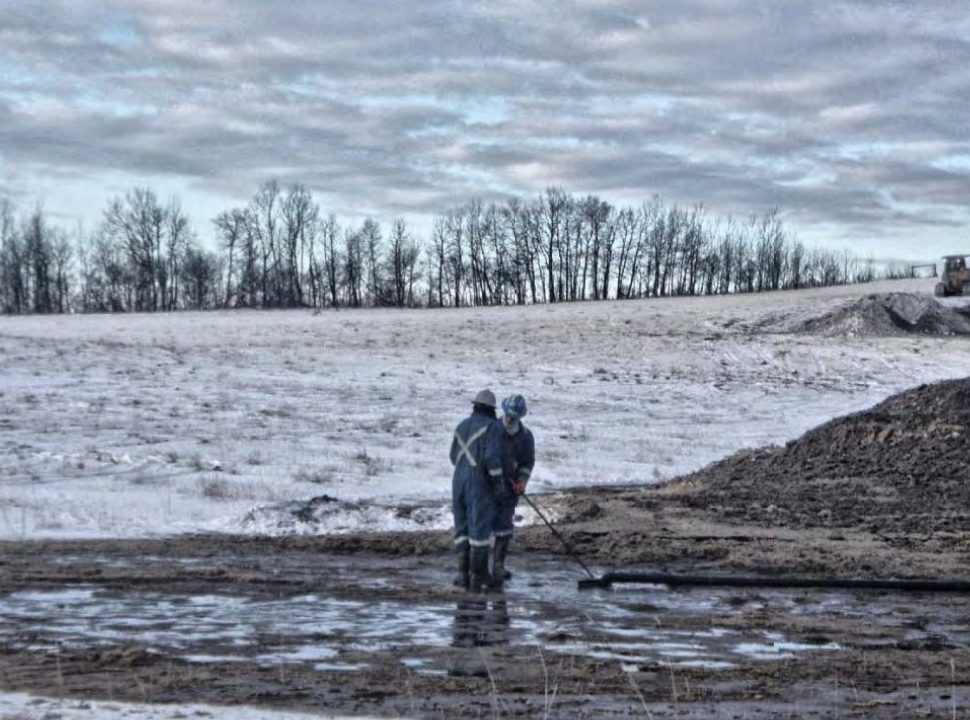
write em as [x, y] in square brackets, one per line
[120, 426]
[124, 426]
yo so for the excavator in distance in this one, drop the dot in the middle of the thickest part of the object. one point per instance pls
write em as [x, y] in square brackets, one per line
[955, 279]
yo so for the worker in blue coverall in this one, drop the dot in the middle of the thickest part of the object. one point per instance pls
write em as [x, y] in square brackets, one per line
[510, 457]
[472, 494]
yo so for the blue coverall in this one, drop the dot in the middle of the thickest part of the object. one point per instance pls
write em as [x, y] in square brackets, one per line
[472, 494]
[508, 458]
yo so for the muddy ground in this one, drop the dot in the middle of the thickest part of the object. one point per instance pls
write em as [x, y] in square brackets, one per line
[883, 494]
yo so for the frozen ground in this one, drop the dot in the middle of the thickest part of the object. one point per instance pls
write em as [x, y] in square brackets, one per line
[137, 426]
[131, 426]
[20, 706]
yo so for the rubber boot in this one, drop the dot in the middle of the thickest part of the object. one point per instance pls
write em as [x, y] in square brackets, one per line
[462, 578]
[499, 552]
[478, 578]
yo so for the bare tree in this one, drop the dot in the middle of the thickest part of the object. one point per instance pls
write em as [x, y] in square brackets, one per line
[553, 208]
[300, 216]
[137, 224]
[179, 239]
[107, 282]
[331, 259]
[62, 255]
[629, 226]
[457, 251]
[692, 247]
[438, 262]
[231, 234]
[402, 263]
[200, 271]
[500, 250]
[476, 232]
[252, 277]
[536, 239]
[37, 253]
[796, 262]
[13, 262]
[354, 267]
[771, 251]
[727, 245]
[264, 229]
[522, 268]
[569, 252]
[597, 247]
[372, 245]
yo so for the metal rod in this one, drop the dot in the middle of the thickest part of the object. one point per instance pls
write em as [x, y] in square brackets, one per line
[555, 532]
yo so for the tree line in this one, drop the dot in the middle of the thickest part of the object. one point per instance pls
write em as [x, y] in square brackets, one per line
[281, 250]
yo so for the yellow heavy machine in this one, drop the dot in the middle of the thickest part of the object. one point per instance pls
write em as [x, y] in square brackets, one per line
[955, 278]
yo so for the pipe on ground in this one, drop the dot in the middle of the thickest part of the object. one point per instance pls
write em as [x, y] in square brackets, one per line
[672, 580]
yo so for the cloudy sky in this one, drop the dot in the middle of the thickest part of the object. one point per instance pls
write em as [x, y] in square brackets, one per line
[851, 117]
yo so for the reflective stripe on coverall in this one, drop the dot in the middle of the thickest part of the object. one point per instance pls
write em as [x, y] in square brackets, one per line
[472, 497]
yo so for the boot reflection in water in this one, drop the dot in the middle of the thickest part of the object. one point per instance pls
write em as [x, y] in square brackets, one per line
[499, 621]
[479, 621]
[470, 620]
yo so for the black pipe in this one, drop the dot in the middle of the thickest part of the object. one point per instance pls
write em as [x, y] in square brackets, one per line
[672, 580]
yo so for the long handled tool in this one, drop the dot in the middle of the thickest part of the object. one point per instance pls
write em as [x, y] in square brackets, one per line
[565, 544]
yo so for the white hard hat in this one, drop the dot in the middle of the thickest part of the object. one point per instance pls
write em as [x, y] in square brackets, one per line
[485, 397]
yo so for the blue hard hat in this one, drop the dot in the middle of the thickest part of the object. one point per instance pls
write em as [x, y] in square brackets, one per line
[514, 406]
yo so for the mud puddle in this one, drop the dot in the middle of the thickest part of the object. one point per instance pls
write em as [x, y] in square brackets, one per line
[266, 624]
[633, 625]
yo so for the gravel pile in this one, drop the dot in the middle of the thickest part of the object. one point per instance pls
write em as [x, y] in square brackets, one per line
[891, 314]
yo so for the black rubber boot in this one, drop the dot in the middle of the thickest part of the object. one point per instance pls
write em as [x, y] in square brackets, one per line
[499, 552]
[462, 578]
[479, 580]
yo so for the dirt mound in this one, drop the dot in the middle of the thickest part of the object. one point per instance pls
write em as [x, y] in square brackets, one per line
[891, 314]
[902, 465]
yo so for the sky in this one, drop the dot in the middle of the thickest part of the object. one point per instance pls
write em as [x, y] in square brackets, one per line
[848, 117]
[151, 425]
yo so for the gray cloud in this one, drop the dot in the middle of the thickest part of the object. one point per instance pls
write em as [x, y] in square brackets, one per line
[850, 118]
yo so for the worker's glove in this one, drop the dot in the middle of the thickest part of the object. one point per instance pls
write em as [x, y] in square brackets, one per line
[519, 487]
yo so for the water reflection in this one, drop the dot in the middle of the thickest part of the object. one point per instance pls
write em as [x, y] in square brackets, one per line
[638, 627]
[481, 620]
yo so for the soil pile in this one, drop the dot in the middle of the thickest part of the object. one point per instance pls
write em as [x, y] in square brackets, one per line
[901, 466]
[891, 314]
